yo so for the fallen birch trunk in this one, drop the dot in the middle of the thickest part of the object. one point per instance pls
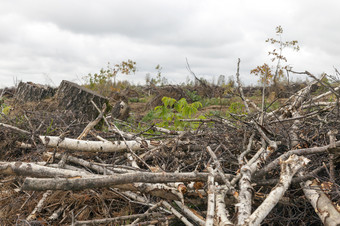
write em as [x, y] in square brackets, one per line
[323, 207]
[222, 214]
[288, 169]
[159, 190]
[211, 197]
[94, 146]
[115, 219]
[107, 181]
[245, 197]
[35, 170]
[93, 166]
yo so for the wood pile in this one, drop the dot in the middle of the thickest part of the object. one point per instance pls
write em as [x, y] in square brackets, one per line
[272, 168]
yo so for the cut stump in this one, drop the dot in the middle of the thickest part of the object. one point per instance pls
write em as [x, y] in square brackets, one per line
[72, 96]
[28, 91]
[121, 110]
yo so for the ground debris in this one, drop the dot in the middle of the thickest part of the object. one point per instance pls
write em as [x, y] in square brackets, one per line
[250, 168]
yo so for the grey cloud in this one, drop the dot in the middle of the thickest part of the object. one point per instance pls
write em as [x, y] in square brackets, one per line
[69, 39]
[131, 18]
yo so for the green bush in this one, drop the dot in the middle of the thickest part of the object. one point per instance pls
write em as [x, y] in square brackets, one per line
[172, 111]
[151, 115]
[193, 95]
[236, 108]
[4, 108]
[215, 101]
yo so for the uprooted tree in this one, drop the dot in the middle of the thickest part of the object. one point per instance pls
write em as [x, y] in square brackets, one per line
[270, 167]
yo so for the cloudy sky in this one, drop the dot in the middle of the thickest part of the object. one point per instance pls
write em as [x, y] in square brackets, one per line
[46, 41]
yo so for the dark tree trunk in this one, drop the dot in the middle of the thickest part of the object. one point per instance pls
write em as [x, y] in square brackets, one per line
[74, 97]
[33, 92]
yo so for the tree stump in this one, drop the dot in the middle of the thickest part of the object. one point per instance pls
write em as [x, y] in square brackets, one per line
[72, 96]
[33, 92]
[121, 110]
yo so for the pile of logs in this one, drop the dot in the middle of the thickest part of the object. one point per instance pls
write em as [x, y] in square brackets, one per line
[276, 168]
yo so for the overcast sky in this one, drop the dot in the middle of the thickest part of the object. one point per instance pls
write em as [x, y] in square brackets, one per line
[46, 41]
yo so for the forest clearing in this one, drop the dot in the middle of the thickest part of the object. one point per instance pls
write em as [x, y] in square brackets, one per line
[170, 155]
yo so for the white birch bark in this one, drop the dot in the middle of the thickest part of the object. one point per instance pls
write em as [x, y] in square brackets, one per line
[35, 170]
[106, 169]
[245, 196]
[288, 169]
[222, 215]
[211, 198]
[323, 207]
[110, 180]
[94, 146]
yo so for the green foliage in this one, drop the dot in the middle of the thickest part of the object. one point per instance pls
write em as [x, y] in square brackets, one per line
[265, 73]
[172, 111]
[258, 93]
[214, 101]
[137, 100]
[230, 86]
[193, 95]
[321, 88]
[151, 115]
[214, 113]
[236, 108]
[272, 106]
[5, 109]
[102, 81]
[50, 129]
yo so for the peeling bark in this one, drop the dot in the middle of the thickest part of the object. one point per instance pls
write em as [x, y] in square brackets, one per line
[222, 214]
[324, 208]
[211, 198]
[245, 197]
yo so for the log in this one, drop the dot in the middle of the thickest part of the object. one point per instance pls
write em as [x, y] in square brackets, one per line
[288, 169]
[35, 170]
[111, 180]
[28, 91]
[76, 98]
[95, 146]
[323, 206]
